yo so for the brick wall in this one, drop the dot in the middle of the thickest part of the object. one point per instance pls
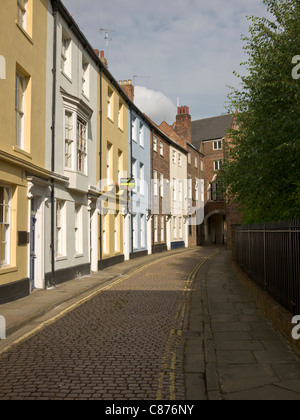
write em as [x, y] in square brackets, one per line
[160, 163]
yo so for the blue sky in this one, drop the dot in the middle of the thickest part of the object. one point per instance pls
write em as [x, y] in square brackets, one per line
[188, 49]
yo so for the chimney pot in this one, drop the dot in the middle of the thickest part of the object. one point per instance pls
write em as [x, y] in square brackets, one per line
[102, 54]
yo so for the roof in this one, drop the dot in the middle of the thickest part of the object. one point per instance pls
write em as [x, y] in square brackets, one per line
[210, 129]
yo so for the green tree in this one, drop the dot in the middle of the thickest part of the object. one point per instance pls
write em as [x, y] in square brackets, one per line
[262, 160]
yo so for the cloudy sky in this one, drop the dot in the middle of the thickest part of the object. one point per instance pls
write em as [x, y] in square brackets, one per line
[186, 49]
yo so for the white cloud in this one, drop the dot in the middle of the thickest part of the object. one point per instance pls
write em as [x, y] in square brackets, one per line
[188, 48]
[155, 104]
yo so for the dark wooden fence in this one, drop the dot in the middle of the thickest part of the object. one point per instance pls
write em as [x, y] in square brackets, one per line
[270, 255]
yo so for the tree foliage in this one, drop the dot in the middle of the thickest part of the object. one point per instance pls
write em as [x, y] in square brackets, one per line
[262, 160]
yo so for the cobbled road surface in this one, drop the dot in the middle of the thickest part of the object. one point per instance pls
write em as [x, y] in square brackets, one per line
[126, 342]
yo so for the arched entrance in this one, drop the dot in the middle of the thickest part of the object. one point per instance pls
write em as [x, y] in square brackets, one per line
[215, 228]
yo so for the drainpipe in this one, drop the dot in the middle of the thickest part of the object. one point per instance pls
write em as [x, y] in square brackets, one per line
[52, 246]
[131, 192]
[100, 177]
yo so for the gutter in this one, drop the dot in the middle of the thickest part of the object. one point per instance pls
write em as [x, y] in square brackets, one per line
[100, 175]
[53, 127]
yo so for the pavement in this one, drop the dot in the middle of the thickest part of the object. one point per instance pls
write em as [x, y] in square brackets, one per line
[232, 351]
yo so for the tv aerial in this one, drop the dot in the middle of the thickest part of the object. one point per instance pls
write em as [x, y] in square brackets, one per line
[107, 38]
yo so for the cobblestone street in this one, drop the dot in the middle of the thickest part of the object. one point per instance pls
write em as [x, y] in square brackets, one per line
[126, 342]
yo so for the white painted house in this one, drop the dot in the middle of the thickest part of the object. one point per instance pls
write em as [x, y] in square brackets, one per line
[71, 245]
[178, 175]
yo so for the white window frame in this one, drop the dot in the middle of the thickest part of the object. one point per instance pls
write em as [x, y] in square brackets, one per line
[134, 231]
[196, 190]
[134, 129]
[109, 162]
[196, 162]
[120, 116]
[161, 148]
[66, 54]
[142, 179]
[180, 192]
[161, 183]
[104, 233]
[20, 92]
[155, 183]
[142, 135]
[22, 14]
[189, 158]
[180, 227]
[218, 164]
[120, 166]
[179, 159]
[217, 144]
[174, 156]
[155, 228]
[162, 228]
[5, 226]
[190, 188]
[174, 189]
[82, 144]
[135, 172]
[60, 228]
[78, 228]
[85, 84]
[110, 93]
[116, 226]
[69, 131]
[143, 230]
[154, 144]
[175, 227]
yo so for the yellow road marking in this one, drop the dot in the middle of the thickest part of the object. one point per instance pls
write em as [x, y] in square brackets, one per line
[172, 354]
[79, 303]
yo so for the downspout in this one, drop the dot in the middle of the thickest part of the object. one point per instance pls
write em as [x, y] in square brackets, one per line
[100, 175]
[52, 246]
[152, 197]
[131, 192]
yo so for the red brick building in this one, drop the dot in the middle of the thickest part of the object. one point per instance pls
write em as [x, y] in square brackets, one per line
[208, 136]
[160, 193]
[181, 133]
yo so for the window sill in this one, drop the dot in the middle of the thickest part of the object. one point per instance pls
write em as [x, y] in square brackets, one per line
[8, 269]
[79, 255]
[22, 152]
[61, 258]
[25, 33]
[109, 119]
[66, 76]
[85, 96]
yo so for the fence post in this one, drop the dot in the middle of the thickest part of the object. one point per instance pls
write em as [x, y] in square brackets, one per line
[265, 258]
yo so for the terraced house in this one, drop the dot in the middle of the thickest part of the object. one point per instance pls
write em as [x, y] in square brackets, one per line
[24, 178]
[113, 165]
[71, 245]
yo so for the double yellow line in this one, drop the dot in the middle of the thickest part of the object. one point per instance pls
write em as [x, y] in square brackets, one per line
[78, 304]
[168, 364]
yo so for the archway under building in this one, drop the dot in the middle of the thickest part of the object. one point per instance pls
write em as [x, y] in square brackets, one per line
[215, 228]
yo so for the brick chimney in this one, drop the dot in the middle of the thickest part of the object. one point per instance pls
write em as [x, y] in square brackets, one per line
[128, 88]
[103, 59]
[184, 123]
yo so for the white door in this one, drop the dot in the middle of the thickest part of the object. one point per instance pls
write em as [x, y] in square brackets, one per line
[93, 240]
[37, 244]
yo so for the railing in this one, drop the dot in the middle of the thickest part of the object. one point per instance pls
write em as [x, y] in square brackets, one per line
[270, 255]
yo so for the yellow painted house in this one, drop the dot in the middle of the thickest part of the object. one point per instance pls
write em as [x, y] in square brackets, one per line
[113, 165]
[23, 40]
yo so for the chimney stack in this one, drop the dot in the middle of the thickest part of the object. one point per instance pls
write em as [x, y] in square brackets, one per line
[103, 59]
[184, 123]
[128, 88]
